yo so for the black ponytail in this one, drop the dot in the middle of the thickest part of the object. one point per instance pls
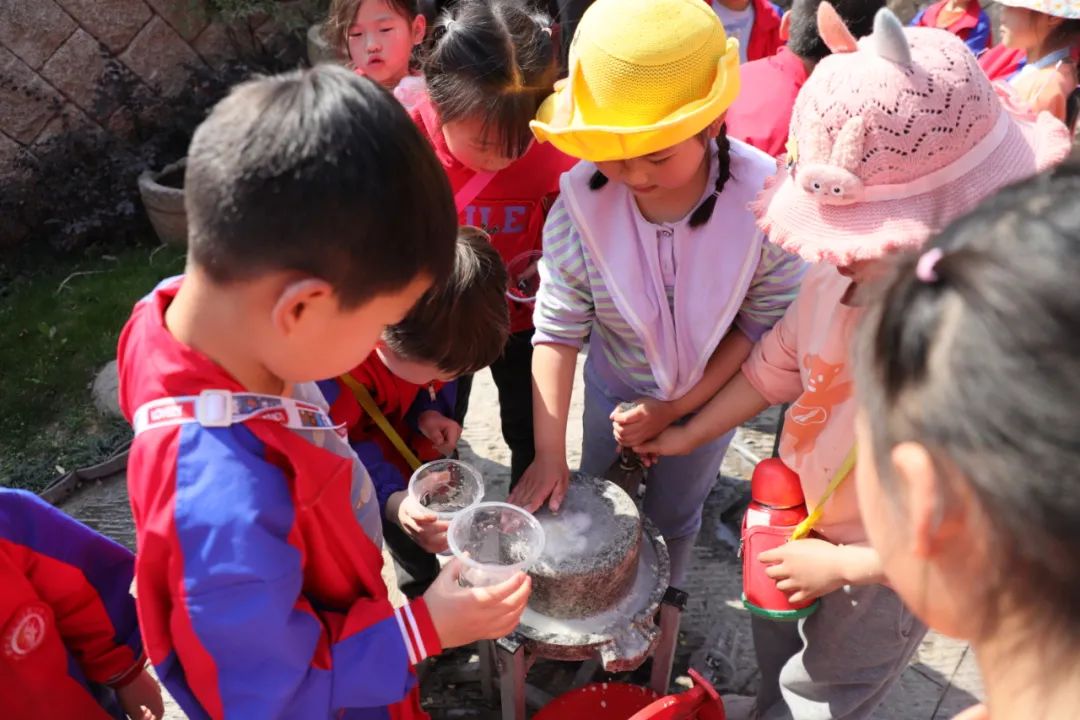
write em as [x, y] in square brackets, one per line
[703, 212]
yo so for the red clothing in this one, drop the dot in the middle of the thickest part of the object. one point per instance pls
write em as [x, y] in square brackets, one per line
[973, 26]
[513, 206]
[259, 591]
[66, 617]
[1001, 63]
[401, 402]
[765, 35]
[760, 116]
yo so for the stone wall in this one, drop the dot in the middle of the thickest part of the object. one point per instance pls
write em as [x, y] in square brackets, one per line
[59, 59]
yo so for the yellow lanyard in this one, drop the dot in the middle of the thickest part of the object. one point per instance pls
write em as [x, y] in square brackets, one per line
[368, 404]
[803, 529]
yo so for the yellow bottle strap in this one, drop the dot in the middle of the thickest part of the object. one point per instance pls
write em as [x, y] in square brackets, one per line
[368, 404]
[803, 529]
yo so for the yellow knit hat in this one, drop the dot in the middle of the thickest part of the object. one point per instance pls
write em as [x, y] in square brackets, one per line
[644, 75]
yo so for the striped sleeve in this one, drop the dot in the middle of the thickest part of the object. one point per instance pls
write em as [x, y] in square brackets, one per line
[774, 287]
[564, 309]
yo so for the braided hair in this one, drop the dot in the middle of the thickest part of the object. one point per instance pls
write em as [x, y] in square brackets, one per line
[703, 212]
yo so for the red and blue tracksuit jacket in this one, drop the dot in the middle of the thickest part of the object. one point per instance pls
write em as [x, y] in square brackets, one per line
[68, 628]
[973, 27]
[259, 592]
[401, 402]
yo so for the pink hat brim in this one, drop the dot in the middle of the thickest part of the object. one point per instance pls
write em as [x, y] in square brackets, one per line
[841, 234]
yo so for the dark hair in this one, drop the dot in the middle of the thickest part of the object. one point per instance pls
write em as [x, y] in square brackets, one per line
[858, 16]
[1064, 35]
[494, 60]
[319, 172]
[460, 325]
[342, 13]
[982, 367]
[703, 212]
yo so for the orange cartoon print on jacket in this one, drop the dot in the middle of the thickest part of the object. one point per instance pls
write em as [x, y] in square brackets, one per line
[807, 416]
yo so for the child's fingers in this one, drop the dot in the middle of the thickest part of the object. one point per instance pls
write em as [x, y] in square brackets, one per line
[452, 571]
[777, 571]
[498, 593]
[787, 586]
[422, 516]
[770, 557]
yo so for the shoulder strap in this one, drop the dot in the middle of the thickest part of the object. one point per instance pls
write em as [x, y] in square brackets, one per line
[803, 529]
[368, 404]
[222, 408]
[471, 189]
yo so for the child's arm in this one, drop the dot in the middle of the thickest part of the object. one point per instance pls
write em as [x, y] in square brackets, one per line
[808, 569]
[85, 578]
[773, 288]
[650, 417]
[563, 318]
[553, 380]
[250, 640]
[391, 491]
[771, 375]
[431, 417]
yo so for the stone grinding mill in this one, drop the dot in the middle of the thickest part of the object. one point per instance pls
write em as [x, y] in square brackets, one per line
[600, 595]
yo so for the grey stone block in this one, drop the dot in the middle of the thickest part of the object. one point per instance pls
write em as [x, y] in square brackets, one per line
[33, 29]
[161, 57]
[27, 102]
[113, 22]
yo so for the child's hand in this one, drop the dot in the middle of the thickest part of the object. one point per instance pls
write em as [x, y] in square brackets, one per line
[465, 615]
[440, 430]
[421, 525]
[547, 477]
[805, 569]
[645, 421]
[676, 440]
[141, 696]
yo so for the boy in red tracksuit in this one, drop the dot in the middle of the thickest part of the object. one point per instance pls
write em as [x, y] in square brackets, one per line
[69, 639]
[459, 327]
[317, 216]
[486, 80]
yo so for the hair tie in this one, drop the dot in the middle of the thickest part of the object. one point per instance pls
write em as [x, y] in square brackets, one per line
[926, 268]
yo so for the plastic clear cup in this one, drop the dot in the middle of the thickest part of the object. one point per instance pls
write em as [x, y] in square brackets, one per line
[446, 487]
[494, 540]
[524, 277]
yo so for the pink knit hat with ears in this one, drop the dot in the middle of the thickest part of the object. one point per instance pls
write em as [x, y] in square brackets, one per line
[892, 138]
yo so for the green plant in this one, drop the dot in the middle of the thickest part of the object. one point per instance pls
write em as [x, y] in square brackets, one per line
[58, 326]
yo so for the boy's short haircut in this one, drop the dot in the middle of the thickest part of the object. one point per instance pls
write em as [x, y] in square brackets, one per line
[462, 324]
[322, 173]
[804, 39]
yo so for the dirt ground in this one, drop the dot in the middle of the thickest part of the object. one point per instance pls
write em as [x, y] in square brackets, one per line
[715, 632]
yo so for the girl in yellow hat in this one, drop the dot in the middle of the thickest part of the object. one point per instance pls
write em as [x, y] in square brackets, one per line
[650, 251]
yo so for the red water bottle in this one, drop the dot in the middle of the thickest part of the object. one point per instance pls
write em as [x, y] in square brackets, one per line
[776, 507]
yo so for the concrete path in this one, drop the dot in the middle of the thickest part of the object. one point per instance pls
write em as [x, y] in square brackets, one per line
[942, 681]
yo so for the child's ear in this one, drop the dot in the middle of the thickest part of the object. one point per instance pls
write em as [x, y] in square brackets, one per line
[419, 28]
[785, 26]
[933, 521]
[715, 126]
[299, 300]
